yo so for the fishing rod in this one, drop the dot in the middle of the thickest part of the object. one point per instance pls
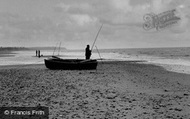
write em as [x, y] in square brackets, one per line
[96, 37]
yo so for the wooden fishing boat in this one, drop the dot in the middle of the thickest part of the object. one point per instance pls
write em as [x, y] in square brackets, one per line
[70, 64]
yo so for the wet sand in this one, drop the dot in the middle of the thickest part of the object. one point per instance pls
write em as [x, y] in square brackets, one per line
[116, 90]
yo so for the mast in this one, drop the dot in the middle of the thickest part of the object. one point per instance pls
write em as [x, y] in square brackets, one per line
[54, 49]
[59, 48]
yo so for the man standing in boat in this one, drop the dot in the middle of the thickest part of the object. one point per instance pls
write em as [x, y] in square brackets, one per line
[87, 52]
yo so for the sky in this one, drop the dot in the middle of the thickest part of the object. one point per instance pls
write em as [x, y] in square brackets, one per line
[75, 23]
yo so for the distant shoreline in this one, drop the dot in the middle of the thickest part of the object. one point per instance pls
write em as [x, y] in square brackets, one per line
[8, 51]
[27, 48]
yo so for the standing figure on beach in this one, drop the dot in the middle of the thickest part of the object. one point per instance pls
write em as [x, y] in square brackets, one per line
[87, 52]
[39, 53]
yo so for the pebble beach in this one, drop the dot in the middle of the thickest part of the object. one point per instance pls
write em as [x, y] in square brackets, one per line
[116, 90]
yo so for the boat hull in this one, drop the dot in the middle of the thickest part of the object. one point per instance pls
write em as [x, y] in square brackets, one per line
[71, 64]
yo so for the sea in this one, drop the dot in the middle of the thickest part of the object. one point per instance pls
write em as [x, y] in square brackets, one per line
[174, 58]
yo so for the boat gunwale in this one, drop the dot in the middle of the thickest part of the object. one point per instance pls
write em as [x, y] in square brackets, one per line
[75, 61]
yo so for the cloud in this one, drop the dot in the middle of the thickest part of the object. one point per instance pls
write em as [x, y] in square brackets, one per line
[122, 5]
[62, 6]
[183, 11]
[17, 29]
[83, 19]
[113, 12]
[77, 22]
[159, 6]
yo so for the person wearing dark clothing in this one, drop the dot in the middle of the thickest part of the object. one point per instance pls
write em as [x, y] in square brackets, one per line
[88, 52]
[39, 53]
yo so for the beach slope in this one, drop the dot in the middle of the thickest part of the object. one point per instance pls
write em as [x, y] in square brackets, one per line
[116, 90]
